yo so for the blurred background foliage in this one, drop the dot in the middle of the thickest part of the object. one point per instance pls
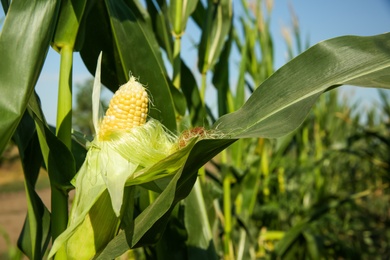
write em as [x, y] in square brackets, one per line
[320, 192]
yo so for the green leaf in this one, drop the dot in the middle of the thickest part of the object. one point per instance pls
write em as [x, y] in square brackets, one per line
[191, 92]
[55, 153]
[68, 23]
[162, 31]
[35, 235]
[215, 29]
[221, 77]
[200, 238]
[282, 102]
[313, 248]
[5, 4]
[179, 17]
[98, 38]
[199, 14]
[30, 24]
[161, 25]
[324, 207]
[290, 238]
[79, 150]
[240, 90]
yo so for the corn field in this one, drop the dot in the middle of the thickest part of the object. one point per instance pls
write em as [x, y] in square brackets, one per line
[281, 168]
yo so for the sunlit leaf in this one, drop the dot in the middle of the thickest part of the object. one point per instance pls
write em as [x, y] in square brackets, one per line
[281, 103]
[221, 78]
[179, 19]
[191, 92]
[68, 24]
[55, 153]
[20, 66]
[161, 25]
[216, 27]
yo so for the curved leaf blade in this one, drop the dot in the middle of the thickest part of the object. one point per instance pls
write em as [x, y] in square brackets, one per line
[55, 153]
[216, 28]
[98, 39]
[179, 22]
[282, 102]
[69, 20]
[35, 235]
[31, 25]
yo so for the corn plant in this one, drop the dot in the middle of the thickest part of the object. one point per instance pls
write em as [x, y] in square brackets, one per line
[139, 186]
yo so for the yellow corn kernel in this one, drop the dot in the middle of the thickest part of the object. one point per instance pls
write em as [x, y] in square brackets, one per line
[128, 108]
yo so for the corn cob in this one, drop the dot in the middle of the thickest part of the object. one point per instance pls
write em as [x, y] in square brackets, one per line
[128, 108]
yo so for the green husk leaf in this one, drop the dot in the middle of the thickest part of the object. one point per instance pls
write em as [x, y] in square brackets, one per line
[145, 145]
[89, 186]
[97, 110]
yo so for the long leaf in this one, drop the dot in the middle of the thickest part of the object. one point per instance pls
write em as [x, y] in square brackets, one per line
[98, 38]
[200, 239]
[55, 154]
[221, 77]
[161, 29]
[68, 23]
[282, 102]
[5, 4]
[295, 232]
[215, 29]
[158, 12]
[191, 92]
[187, 8]
[35, 235]
[29, 24]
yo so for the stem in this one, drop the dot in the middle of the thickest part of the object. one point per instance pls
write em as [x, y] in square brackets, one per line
[227, 206]
[59, 197]
[265, 169]
[203, 88]
[64, 109]
[177, 61]
[177, 44]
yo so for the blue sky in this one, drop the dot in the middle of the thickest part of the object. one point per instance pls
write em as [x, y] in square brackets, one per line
[321, 20]
[318, 21]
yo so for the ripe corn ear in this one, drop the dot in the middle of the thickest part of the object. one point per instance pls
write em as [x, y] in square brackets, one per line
[125, 147]
[128, 108]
